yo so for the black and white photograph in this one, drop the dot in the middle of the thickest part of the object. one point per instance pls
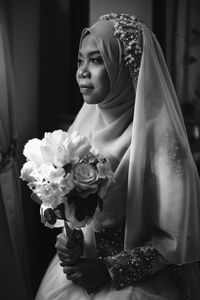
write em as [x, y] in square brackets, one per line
[99, 150]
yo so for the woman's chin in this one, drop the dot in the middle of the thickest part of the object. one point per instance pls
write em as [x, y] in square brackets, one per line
[89, 100]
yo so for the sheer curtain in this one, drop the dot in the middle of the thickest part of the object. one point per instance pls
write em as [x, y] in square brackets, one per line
[183, 58]
[13, 256]
[183, 44]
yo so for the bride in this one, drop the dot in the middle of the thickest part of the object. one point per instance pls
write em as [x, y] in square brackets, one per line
[145, 244]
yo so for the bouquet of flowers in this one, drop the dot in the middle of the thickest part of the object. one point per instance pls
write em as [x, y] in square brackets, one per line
[68, 175]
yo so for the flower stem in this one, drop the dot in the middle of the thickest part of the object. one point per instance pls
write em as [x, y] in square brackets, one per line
[69, 231]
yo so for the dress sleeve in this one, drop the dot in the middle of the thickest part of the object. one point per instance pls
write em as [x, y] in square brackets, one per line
[130, 265]
[133, 265]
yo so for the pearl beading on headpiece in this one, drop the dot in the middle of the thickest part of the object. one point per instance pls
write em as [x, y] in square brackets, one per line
[128, 29]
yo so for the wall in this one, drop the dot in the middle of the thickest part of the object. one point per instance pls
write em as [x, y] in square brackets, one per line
[139, 8]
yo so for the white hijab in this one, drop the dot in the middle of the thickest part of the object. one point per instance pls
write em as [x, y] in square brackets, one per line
[142, 132]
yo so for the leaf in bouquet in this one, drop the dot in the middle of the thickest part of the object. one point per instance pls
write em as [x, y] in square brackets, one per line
[35, 198]
[91, 204]
[67, 168]
[60, 211]
[79, 206]
[85, 207]
[49, 216]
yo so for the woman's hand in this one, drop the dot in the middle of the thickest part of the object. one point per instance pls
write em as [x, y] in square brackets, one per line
[68, 249]
[90, 274]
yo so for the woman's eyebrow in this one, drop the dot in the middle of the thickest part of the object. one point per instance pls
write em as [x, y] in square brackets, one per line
[91, 53]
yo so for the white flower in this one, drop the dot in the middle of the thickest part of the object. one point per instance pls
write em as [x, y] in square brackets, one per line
[104, 169]
[94, 152]
[77, 146]
[52, 148]
[27, 171]
[32, 151]
[51, 184]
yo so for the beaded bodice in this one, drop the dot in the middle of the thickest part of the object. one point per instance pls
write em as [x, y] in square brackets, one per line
[110, 241]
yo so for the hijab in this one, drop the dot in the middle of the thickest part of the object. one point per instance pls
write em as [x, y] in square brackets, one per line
[139, 127]
[109, 124]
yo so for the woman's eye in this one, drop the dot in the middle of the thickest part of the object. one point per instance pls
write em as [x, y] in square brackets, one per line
[79, 61]
[97, 60]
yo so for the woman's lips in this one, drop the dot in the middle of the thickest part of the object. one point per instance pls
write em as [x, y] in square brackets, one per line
[85, 89]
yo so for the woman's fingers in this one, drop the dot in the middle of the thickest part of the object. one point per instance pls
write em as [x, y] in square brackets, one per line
[71, 243]
[76, 278]
[68, 260]
[61, 241]
[70, 269]
[70, 252]
[64, 257]
[78, 235]
[68, 257]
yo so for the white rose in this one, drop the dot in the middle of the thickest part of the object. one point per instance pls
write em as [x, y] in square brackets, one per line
[85, 179]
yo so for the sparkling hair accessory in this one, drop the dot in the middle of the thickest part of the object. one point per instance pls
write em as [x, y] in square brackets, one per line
[128, 29]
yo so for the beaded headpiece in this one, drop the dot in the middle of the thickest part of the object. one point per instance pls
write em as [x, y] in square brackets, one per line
[128, 29]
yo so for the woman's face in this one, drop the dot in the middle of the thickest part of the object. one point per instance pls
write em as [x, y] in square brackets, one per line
[91, 75]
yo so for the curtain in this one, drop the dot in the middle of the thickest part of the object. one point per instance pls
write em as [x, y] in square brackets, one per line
[183, 59]
[13, 255]
[183, 45]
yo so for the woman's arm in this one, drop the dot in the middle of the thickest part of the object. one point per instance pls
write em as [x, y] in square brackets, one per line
[133, 265]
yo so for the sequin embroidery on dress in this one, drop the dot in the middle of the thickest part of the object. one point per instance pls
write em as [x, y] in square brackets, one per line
[110, 241]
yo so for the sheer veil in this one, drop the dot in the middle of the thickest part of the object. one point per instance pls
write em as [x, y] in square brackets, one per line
[164, 189]
[142, 131]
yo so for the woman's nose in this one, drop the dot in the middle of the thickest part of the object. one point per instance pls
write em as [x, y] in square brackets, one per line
[83, 73]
